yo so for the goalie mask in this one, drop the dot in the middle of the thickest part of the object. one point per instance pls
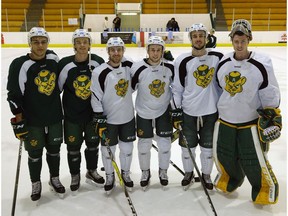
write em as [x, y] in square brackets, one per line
[37, 32]
[155, 40]
[115, 42]
[197, 27]
[81, 33]
[241, 26]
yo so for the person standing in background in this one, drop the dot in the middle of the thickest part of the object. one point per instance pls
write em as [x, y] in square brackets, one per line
[117, 23]
[75, 73]
[34, 99]
[196, 94]
[211, 39]
[105, 24]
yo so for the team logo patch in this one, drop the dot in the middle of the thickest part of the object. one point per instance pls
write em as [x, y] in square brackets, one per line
[234, 83]
[45, 82]
[204, 75]
[140, 132]
[71, 139]
[82, 87]
[34, 143]
[122, 87]
[157, 88]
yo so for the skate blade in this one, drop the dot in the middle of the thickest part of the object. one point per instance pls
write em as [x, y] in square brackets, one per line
[110, 191]
[74, 193]
[130, 189]
[185, 188]
[60, 195]
[146, 187]
[92, 183]
[36, 203]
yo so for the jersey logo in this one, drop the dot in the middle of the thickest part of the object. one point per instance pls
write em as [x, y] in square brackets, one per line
[121, 87]
[157, 88]
[203, 75]
[234, 83]
[45, 82]
[82, 87]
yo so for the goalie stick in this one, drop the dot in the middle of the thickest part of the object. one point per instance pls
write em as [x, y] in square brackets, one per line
[17, 178]
[114, 164]
[195, 164]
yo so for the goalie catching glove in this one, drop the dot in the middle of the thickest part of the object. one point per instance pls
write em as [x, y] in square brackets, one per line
[269, 124]
[19, 128]
[100, 124]
[176, 117]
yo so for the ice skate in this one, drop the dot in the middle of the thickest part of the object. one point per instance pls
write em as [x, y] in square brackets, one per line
[163, 177]
[207, 181]
[36, 191]
[93, 178]
[57, 187]
[188, 180]
[145, 179]
[127, 180]
[75, 183]
[110, 183]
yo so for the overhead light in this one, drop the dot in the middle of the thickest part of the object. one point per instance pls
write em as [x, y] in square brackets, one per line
[129, 13]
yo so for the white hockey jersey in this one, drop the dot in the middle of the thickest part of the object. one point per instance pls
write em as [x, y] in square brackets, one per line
[247, 85]
[195, 88]
[153, 88]
[112, 93]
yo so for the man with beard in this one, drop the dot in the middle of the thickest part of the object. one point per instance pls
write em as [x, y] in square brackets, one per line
[195, 93]
[113, 111]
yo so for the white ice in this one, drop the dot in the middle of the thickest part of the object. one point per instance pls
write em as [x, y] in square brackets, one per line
[171, 202]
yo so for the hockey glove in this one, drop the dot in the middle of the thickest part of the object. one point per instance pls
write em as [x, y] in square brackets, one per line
[168, 55]
[269, 124]
[100, 125]
[176, 117]
[19, 128]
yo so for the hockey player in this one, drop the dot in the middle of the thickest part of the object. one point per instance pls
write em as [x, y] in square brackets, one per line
[196, 93]
[250, 95]
[34, 99]
[75, 73]
[151, 77]
[113, 111]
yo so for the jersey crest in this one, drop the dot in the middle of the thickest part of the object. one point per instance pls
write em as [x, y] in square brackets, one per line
[45, 82]
[157, 88]
[234, 83]
[204, 75]
[122, 87]
[82, 87]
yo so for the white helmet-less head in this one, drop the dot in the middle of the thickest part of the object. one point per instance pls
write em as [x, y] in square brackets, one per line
[156, 40]
[197, 27]
[81, 33]
[114, 42]
[37, 32]
[241, 26]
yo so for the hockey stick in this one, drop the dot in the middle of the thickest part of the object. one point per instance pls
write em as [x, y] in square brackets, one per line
[114, 164]
[17, 178]
[195, 164]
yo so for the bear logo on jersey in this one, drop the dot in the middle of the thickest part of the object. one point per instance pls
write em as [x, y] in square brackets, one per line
[204, 75]
[157, 88]
[82, 87]
[45, 82]
[34, 143]
[234, 83]
[122, 87]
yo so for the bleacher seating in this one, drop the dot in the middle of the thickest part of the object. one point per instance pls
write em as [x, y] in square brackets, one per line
[264, 15]
[13, 15]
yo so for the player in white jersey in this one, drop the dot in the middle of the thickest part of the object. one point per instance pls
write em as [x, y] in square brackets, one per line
[249, 118]
[112, 102]
[151, 77]
[195, 93]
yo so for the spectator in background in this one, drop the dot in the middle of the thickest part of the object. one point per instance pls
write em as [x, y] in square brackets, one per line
[105, 24]
[117, 23]
[211, 39]
[172, 25]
